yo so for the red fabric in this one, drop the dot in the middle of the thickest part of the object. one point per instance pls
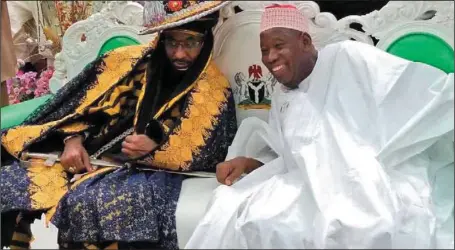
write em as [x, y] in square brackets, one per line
[281, 6]
[283, 16]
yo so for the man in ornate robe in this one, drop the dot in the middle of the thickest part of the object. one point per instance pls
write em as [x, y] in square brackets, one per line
[163, 105]
[358, 152]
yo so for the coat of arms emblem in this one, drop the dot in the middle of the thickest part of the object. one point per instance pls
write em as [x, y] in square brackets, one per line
[254, 92]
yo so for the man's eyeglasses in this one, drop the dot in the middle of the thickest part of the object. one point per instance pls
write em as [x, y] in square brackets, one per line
[188, 45]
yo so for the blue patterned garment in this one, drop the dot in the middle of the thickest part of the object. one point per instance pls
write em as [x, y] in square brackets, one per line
[127, 205]
[14, 185]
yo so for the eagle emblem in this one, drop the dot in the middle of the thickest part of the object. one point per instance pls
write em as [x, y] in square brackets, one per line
[254, 92]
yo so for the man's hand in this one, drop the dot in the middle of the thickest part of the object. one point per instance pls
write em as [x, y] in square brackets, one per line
[75, 158]
[138, 145]
[229, 171]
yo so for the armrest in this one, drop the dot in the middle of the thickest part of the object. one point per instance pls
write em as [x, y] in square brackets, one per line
[15, 114]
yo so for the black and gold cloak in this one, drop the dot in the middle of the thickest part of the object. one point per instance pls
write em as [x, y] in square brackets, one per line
[112, 88]
[194, 125]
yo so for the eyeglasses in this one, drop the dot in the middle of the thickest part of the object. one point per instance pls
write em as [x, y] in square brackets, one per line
[188, 45]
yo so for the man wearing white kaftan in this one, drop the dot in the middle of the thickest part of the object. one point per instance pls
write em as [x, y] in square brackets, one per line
[358, 155]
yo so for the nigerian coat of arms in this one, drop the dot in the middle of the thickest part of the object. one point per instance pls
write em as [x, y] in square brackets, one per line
[254, 92]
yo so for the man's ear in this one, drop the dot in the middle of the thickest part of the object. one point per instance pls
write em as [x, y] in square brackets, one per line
[306, 39]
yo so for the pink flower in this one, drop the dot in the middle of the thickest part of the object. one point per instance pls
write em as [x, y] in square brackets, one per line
[28, 85]
[14, 101]
[42, 85]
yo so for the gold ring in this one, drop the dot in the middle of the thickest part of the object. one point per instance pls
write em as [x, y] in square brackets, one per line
[72, 169]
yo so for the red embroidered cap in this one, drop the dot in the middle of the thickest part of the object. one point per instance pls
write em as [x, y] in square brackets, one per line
[283, 16]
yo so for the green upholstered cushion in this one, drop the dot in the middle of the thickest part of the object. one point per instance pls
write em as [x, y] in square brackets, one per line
[14, 114]
[117, 42]
[425, 48]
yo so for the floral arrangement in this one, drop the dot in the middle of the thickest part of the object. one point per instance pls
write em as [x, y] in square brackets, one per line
[28, 85]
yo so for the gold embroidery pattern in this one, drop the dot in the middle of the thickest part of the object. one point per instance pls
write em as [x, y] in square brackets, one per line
[47, 185]
[53, 209]
[117, 64]
[113, 106]
[206, 102]
[108, 98]
[74, 127]
[16, 138]
[115, 213]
